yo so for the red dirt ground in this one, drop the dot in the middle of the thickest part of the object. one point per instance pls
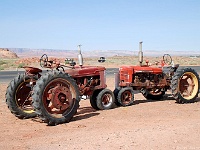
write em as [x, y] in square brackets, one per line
[145, 125]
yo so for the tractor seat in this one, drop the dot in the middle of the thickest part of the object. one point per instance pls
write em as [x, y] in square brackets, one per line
[32, 70]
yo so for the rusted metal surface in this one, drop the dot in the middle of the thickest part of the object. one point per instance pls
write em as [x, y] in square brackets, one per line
[32, 70]
[88, 78]
[106, 99]
[140, 77]
[126, 97]
[127, 72]
[58, 97]
[23, 95]
[61, 96]
[78, 71]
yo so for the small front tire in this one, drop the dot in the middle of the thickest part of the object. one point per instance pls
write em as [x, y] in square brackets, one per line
[105, 99]
[126, 96]
[93, 99]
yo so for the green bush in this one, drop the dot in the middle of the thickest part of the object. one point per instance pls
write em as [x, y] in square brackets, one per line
[1, 68]
[2, 62]
[21, 65]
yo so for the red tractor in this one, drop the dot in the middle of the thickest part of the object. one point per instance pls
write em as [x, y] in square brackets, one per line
[153, 82]
[55, 96]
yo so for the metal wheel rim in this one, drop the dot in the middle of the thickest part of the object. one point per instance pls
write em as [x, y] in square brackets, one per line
[188, 85]
[23, 96]
[126, 97]
[106, 99]
[49, 104]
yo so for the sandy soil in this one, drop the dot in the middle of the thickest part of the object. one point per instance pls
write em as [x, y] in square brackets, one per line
[145, 125]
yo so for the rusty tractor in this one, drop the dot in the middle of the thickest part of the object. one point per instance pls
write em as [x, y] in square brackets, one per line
[55, 96]
[153, 82]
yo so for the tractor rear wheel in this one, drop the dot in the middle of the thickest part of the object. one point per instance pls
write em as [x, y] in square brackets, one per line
[18, 96]
[56, 97]
[105, 99]
[154, 94]
[185, 85]
[126, 96]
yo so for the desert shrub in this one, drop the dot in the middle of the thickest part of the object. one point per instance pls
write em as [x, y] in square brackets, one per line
[21, 65]
[1, 68]
[2, 62]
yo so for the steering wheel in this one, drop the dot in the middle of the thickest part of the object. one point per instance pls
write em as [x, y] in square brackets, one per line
[167, 59]
[43, 60]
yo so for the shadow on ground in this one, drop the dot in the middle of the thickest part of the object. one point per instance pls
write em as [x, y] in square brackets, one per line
[85, 113]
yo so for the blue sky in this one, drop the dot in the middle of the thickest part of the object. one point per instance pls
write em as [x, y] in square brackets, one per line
[100, 24]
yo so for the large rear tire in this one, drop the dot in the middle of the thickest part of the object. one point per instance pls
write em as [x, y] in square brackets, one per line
[56, 97]
[18, 96]
[185, 85]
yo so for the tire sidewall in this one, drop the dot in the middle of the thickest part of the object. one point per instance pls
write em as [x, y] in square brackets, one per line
[175, 85]
[38, 95]
[100, 105]
[116, 92]
[93, 99]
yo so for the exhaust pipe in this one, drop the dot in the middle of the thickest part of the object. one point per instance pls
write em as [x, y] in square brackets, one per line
[80, 57]
[140, 54]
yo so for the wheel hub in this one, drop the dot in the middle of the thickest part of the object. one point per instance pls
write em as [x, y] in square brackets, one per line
[61, 97]
[187, 85]
[106, 99]
[126, 97]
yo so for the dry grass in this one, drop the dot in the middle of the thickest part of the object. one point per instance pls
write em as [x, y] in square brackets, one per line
[111, 62]
[133, 60]
[8, 63]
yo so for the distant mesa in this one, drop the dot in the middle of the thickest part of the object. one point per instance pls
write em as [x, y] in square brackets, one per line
[25, 53]
[6, 53]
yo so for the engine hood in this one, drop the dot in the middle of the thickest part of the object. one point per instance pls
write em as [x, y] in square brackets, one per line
[141, 69]
[78, 71]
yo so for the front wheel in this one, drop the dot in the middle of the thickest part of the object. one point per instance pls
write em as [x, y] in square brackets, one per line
[105, 99]
[126, 96]
[93, 99]
[56, 98]
[185, 85]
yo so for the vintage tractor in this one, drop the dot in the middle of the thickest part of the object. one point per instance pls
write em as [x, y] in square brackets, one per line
[153, 82]
[55, 96]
